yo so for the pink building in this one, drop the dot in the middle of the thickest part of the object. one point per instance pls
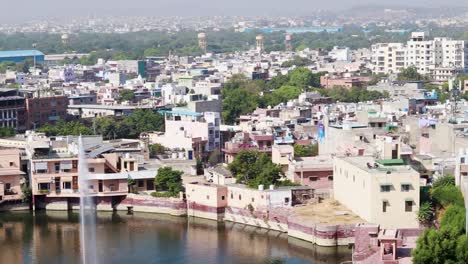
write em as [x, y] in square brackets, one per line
[315, 172]
[11, 176]
[346, 82]
[206, 200]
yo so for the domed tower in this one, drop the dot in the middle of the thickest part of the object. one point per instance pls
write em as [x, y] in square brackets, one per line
[288, 42]
[260, 41]
[202, 41]
[65, 39]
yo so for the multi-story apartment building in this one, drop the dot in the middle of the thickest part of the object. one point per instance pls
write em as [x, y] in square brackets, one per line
[198, 134]
[388, 57]
[434, 57]
[44, 107]
[384, 192]
[12, 109]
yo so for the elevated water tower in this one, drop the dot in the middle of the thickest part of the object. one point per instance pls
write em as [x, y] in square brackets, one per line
[260, 42]
[288, 42]
[202, 41]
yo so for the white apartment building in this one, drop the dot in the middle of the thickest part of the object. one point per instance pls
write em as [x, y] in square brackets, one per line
[388, 58]
[194, 132]
[383, 192]
[439, 57]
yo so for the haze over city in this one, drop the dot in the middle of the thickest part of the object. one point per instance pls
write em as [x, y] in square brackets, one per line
[213, 132]
[29, 9]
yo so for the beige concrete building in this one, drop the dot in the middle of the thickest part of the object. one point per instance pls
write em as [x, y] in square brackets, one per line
[384, 192]
[10, 174]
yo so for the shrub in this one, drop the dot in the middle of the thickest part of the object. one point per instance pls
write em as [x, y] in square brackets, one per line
[444, 181]
[448, 194]
[161, 194]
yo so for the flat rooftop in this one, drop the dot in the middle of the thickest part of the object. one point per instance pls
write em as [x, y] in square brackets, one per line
[328, 211]
[20, 53]
[375, 167]
[110, 107]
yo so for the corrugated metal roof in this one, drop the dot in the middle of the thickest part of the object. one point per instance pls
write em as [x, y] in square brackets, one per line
[20, 53]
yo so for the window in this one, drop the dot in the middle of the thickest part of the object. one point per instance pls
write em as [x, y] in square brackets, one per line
[330, 178]
[66, 185]
[91, 169]
[11, 164]
[7, 186]
[462, 160]
[385, 188]
[286, 200]
[43, 186]
[57, 166]
[253, 200]
[385, 204]
[232, 196]
[408, 206]
[207, 197]
[405, 187]
[141, 183]
[313, 178]
[240, 197]
[222, 197]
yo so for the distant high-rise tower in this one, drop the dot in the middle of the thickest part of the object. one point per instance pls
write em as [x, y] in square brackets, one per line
[288, 42]
[202, 42]
[260, 40]
[65, 39]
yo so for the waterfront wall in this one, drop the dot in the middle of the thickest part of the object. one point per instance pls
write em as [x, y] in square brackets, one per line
[279, 219]
[149, 204]
[13, 205]
[322, 234]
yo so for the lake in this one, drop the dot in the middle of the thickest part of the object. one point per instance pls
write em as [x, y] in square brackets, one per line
[54, 237]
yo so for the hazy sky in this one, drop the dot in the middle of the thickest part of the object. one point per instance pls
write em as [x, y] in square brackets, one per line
[28, 9]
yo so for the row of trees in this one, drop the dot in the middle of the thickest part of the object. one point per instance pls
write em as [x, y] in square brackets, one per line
[448, 243]
[134, 45]
[110, 127]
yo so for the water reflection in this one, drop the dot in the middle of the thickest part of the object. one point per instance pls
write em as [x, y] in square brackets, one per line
[54, 237]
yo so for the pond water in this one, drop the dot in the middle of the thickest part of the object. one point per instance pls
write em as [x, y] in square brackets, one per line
[54, 237]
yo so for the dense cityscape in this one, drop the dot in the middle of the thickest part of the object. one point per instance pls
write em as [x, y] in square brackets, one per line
[336, 137]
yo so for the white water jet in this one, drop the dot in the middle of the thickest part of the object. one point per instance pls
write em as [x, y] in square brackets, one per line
[87, 210]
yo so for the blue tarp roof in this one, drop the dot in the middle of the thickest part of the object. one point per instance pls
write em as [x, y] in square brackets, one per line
[20, 53]
[180, 112]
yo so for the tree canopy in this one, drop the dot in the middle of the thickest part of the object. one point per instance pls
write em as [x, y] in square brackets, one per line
[305, 150]
[169, 180]
[254, 168]
[410, 74]
[448, 244]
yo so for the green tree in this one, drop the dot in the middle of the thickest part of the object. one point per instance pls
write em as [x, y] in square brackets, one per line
[410, 74]
[214, 157]
[62, 128]
[303, 78]
[143, 121]
[297, 61]
[169, 180]
[7, 132]
[126, 95]
[305, 150]
[238, 102]
[254, 168]
[444, 181]
[425, 213]
[156, 149]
